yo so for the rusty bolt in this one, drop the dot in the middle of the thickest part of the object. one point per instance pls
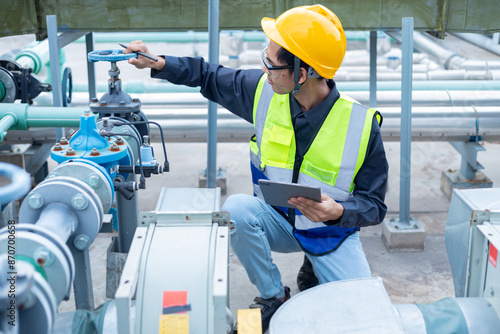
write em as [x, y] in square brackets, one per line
[119, 141]
[70, 151]
[114, 147]
[43, 257]
[57, 147]
[63, 141]
[94, 152]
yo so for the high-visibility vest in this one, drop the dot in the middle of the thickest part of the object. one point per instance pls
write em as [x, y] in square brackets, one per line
[331, 162]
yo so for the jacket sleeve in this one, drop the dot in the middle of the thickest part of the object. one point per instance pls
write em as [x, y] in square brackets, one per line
[232, 89]
[366, 207]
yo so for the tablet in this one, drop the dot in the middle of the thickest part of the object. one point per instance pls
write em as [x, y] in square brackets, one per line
[278, 193]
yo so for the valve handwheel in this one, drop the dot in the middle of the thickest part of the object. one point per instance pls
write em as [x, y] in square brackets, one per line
[20, 183]
[110, 55]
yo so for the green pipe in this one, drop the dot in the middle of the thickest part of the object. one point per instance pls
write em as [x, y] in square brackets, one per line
[6, 122]
[169, 37]
[36, 56]
[138, 87]
[190, 36]
[2, 91]
[20, 116]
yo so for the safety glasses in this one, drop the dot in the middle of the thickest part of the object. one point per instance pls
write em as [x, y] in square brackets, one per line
[271, 68]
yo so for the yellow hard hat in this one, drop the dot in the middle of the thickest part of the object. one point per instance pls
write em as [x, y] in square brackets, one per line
[312, 33]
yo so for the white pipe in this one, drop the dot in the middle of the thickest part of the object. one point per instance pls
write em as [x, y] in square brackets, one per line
[384, 98]
[190, 125]
[481, 40]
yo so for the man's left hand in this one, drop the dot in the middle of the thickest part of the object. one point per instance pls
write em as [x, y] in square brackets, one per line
[327, 209]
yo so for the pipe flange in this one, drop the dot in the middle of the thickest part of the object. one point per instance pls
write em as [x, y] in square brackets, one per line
[75, 194]
[91, 175]
[41, 316]
[10, 86]
[47, 234]
[59, 272]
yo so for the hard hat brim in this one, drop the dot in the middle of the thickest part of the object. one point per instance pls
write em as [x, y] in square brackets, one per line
[269, 27]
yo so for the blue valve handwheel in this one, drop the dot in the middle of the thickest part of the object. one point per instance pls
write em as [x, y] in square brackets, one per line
[109, 55]
[20, 183]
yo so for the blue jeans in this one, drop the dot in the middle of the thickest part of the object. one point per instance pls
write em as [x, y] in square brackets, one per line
[259, 229]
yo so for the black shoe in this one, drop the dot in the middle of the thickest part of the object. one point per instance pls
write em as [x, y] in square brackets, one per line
[306, 278]
[268, 307]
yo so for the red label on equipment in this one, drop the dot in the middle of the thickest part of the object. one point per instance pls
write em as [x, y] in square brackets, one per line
[174, 298]
[493, 255]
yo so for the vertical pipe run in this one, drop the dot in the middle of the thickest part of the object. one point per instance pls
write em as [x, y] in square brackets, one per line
[213, 57]
[55, 70]
[89, 43]
[373, 69]
[406, 90]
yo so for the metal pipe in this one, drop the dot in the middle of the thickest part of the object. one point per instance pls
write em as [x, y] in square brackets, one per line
[140, 87]
[384, 98]
[184, 126]
[213, 57]
[58, 219]
[6, 122]
[481, 40]
[190, 124]
[55, 70]
[373, 69]
[26, 116]
[190, 36]
[91, 87]
[406, 90]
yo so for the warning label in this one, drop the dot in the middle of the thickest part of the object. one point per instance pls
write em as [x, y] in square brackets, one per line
[493, 255]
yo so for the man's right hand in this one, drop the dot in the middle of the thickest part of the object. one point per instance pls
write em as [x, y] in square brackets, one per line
[142, 62]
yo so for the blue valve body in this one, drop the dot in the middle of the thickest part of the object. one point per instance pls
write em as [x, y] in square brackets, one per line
[84, 141]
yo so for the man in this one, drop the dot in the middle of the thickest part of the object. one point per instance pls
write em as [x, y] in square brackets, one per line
[305, 133]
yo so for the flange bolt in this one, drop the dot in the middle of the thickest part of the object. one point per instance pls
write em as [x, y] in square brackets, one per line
[114, 147]
[79, 202]
[94, 180]
[35, 201]
[43, 257]
[57, 147]
[70, 151]
[81, 242]
[94, 152]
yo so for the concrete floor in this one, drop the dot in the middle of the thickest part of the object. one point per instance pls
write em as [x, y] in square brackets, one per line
[409, 277]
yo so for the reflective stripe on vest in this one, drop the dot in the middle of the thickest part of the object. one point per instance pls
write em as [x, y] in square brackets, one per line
[345, 134]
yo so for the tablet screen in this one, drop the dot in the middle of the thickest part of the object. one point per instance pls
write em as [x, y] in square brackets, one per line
[278, 193]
